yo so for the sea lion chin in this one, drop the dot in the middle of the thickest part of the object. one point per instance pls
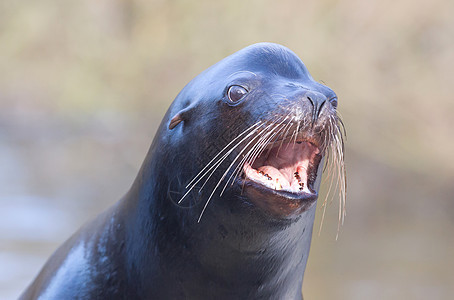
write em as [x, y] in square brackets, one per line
[224, 203]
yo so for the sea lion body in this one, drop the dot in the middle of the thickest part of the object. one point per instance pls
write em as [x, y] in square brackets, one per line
[173, 235]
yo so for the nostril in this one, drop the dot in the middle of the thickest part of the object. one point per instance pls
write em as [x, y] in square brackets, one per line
[310, 99]
[318, 101]
[320, 107]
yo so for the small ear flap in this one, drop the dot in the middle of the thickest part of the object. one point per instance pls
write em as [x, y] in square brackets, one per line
[179, 117]
[175, 121]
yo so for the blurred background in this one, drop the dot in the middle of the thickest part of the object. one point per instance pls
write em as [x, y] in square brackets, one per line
[84, 85]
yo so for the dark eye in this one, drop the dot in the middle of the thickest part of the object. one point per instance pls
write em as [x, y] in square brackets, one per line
[236, 92]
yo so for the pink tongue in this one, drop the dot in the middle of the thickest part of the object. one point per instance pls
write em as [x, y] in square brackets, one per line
[276, 176]
[298, 179]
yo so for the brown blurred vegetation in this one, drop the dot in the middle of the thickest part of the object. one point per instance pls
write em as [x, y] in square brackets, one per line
[84, 85]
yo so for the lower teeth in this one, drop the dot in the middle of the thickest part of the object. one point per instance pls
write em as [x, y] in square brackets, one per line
[277, 186]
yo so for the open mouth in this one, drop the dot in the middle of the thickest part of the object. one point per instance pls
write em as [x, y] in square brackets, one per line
[286, 167]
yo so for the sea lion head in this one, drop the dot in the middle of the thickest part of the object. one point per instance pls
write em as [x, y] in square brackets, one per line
[255, 127]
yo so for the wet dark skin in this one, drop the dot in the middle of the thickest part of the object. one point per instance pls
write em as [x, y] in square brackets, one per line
[250, 243]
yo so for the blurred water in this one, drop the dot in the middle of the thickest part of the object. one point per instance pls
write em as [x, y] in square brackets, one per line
[49, 188]
[30, 228]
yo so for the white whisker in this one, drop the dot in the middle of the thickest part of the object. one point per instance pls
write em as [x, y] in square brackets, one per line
[215, 165]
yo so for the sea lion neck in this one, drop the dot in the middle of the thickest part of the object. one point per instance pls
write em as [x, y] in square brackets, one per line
[225, 254]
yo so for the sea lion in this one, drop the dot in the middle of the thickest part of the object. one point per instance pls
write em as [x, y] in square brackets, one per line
[223, 205]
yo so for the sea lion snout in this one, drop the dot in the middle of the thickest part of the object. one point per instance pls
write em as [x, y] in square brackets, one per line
[317, 100]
